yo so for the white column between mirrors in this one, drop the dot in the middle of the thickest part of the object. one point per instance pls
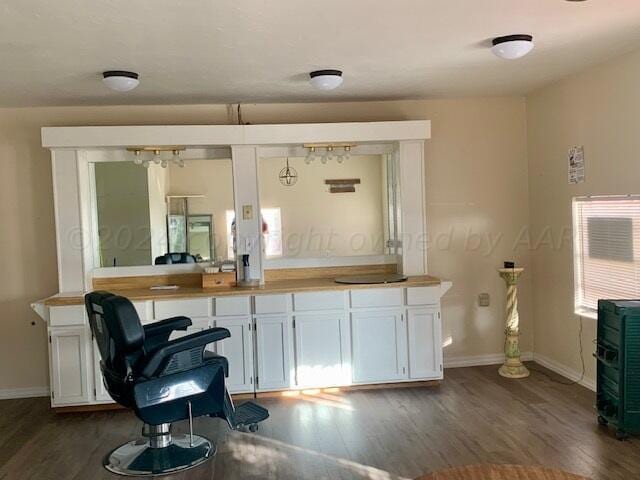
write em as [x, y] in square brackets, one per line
[246, 194]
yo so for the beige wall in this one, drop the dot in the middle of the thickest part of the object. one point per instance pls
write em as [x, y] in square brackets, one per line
[599, 109]
[315, 222]
[477, 205]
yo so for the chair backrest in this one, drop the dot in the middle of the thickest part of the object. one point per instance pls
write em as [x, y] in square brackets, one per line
[119, 335]
[171, 258]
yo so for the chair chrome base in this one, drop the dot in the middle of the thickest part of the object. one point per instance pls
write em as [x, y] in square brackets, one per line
[147, 457]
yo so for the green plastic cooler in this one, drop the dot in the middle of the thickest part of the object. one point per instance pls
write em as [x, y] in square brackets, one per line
[618, 375]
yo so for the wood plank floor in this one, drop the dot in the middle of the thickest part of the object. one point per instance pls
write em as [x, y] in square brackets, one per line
[474, 417]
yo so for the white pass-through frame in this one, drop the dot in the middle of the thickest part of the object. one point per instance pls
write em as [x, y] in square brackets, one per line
[246, 143]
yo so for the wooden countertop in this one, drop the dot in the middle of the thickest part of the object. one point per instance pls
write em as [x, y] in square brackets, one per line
[280, 286]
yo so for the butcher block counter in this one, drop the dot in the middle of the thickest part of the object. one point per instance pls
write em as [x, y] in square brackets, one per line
[270, 287]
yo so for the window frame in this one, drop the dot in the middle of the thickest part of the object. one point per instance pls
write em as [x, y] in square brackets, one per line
[578, 254]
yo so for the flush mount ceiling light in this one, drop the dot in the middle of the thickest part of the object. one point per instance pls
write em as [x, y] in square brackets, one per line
[512, 47]
[326, 79]
[120, 81]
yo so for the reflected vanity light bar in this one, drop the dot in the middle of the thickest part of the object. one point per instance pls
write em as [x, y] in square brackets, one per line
[140, 159]
[344, 150]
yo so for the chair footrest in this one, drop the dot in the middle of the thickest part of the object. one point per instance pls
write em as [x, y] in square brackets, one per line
[250, 413]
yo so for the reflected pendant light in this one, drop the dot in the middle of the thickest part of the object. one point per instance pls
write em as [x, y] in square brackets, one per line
[512, 47]
[288, 176]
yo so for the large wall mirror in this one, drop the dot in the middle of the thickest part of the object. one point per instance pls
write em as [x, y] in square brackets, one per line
[333, 206]
[162, 213]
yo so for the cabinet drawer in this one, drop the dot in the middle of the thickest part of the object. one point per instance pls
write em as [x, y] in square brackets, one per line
[271, 303]
[318, 301]
[376, 297]
[232, 306]
[67, 315]
[423, 295]
[196, 307]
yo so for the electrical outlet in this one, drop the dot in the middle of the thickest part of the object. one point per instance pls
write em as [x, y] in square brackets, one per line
[484, 300]
[247, 212]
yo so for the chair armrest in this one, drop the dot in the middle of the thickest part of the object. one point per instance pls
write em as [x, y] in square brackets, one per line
[159, 357]
[167, 325]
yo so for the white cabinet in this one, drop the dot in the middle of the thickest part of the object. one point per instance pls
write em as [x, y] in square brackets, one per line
[192, 307]
[68, 315]
[379, 346]
[322, 350]
[425, 342]
[70, 361]
[313, 339]
[272, 352]
[238, 349]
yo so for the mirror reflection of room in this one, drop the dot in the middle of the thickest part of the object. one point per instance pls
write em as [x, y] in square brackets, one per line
[159, 215]
[330, 209]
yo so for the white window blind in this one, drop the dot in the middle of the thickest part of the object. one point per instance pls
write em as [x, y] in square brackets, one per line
[606, 250]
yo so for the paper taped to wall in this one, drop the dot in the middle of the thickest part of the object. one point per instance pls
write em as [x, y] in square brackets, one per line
[576, 164]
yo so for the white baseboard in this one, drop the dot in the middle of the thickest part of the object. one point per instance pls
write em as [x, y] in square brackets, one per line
[479, 360]
[28, 392]
[450, 362]
[568, 373]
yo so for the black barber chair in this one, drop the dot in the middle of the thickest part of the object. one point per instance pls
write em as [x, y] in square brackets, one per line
[162, 381]
[173, 258]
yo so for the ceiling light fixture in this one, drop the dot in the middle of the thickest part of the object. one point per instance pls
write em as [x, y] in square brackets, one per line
[511, 47]
[288, 175]
[120, 80]
[139, 157]
[326, 79]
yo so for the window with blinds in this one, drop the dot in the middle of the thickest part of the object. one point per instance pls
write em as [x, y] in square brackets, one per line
[606, 250]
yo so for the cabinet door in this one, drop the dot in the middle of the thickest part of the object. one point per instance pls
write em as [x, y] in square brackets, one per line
[238, 349]
[425, 343]
[321, 344]
[99, 390]
[272, 352]
[379, 346]
[69, 365]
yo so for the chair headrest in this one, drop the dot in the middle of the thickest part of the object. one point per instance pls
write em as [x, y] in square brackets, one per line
[176, 257]
[123, 323]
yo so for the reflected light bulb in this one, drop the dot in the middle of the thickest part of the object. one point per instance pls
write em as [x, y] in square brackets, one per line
[329, 153]
[310, 156]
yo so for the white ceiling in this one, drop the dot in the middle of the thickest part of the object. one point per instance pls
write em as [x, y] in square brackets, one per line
[52, 52]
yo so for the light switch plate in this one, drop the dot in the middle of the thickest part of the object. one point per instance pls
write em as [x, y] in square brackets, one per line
[247, 212]
[484, 300]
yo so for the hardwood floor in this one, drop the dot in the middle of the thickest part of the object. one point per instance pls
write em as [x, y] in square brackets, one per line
[474, 417]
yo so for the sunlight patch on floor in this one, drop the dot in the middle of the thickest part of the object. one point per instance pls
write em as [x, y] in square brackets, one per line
[321, 396]
[264, 458]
